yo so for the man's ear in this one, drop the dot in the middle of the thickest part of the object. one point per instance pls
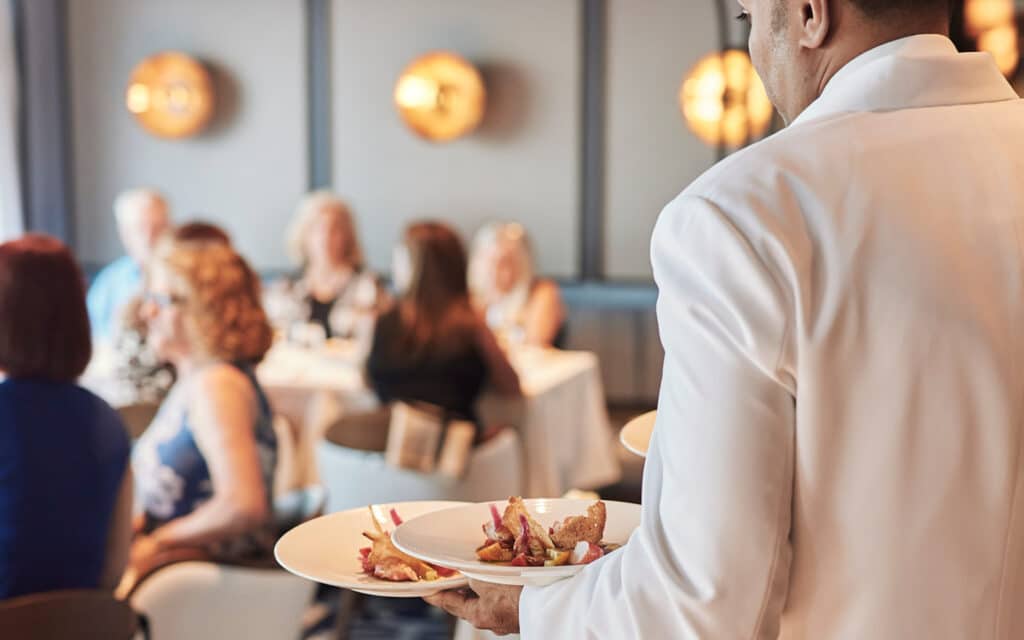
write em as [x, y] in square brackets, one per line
[815, 23]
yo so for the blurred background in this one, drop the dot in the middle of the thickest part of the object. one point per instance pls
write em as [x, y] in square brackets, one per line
[577, 119]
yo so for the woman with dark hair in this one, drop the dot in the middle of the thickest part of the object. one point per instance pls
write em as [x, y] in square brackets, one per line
[431, 346]
[65, 484]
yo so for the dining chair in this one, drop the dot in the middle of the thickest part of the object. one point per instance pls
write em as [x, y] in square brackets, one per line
[298, 506]
[86, 614]
[355, 478]
[287, 475]
[196, 600]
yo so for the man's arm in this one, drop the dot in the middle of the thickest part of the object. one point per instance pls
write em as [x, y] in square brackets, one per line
[711, 557]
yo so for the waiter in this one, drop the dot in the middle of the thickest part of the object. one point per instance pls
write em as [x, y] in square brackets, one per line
[838, 447]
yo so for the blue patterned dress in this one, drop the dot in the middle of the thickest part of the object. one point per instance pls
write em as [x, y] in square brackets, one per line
[171, 476]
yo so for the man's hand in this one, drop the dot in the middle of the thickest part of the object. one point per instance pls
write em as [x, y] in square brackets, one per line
[491, 607]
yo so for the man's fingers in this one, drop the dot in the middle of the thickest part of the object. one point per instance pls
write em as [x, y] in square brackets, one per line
[480, 588]
[456, 602]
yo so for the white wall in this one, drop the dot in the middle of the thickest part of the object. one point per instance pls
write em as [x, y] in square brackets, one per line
[650, 154]
[247, 173]
[524, 162]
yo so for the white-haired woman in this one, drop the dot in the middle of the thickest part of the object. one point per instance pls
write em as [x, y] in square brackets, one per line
[518, 305]
[333, 290]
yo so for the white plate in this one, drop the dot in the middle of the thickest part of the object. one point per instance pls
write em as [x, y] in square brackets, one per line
[452, 537]
[636, 435]
[327, 550]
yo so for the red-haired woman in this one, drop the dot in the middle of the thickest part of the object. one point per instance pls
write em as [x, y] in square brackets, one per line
[65, 484]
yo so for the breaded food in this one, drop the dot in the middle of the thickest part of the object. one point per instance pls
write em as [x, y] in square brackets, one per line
[575, 529]
[539, 540]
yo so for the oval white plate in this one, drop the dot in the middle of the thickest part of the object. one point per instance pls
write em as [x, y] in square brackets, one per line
[452, 537]
[636, 435]
[326, 550]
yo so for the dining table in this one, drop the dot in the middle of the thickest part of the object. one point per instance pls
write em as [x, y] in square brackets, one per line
[561, 416]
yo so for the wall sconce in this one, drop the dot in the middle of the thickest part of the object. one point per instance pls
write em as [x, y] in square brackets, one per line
[724, 101]
[1002, 43]
[440, 96]
[171, 95]
[994, 24]
[982, 15]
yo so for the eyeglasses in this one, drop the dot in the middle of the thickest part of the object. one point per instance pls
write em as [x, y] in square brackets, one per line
[163, 300]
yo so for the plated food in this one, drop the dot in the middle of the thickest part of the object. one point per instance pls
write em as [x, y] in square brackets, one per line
[383, 560]
[578, 531]
[517, 539]
[327, 550]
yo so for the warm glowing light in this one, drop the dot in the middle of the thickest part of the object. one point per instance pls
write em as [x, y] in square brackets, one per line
[440, 96]
[982, 15]
[171, 95]
[137, 98]
[414, 92]
[724, 100]
[1002, 43]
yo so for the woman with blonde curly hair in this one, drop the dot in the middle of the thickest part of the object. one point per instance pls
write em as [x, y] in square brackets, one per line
[333, 289]
[204, 468]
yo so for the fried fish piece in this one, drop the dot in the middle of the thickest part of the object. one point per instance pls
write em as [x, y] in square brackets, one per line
[575, 529]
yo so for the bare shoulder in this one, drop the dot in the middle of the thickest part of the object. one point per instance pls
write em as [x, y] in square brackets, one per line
[219, 380]
[546, 290]
[221, 403]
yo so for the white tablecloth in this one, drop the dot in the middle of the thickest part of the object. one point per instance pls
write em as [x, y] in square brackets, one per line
[562, 418]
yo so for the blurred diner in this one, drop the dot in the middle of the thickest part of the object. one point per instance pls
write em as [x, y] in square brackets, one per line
[431, 346]
[65, 482]
[143, 378]
[142, 216]
[519, 306]
[333, 291]
[205, 466]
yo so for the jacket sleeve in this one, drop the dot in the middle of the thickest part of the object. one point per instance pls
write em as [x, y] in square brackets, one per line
[99, 305]
[711, 557]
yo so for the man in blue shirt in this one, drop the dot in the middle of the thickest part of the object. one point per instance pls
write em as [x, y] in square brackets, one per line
[141, 217]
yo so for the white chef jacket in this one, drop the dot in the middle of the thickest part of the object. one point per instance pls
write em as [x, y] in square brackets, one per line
[837, 453]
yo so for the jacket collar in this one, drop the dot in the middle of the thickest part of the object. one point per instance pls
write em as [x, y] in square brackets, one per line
[913, 72]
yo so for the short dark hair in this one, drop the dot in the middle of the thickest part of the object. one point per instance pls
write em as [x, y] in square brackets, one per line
[881, 8]
[44, 326]
[201, 231]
